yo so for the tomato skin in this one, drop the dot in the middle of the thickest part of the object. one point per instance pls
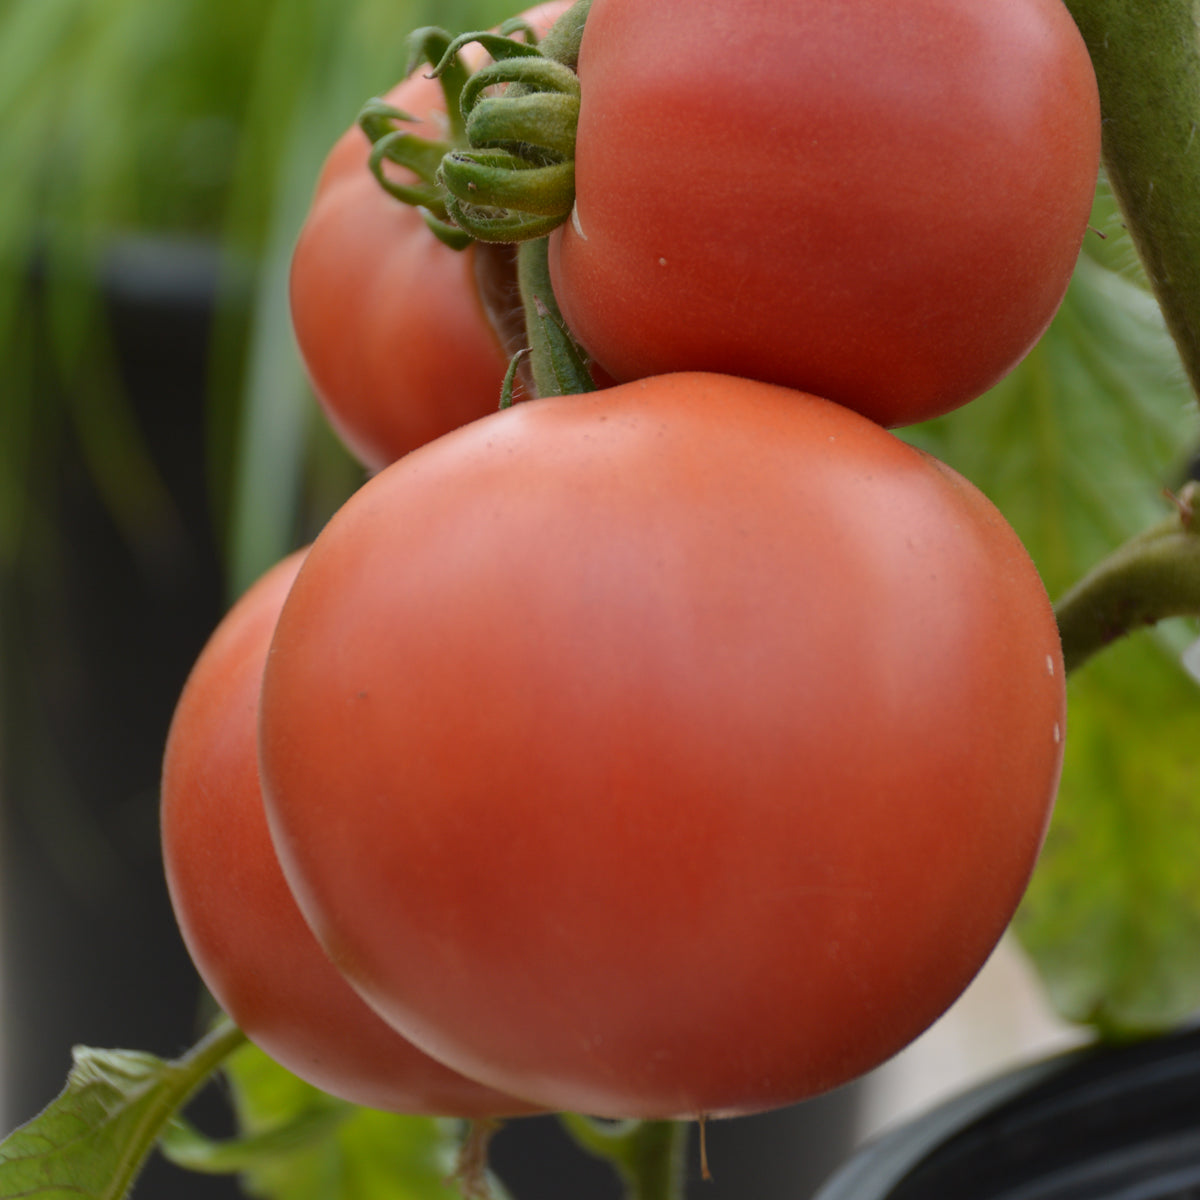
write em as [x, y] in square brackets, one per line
[238, 919]
[683, 748]
[878, 202]
[388, 320]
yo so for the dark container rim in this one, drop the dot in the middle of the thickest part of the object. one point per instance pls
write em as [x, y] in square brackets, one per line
[1102, 1122]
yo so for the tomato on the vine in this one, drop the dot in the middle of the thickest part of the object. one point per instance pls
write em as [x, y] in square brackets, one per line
[680, 748]
[238, 919]
[878, 202]
[390, 322]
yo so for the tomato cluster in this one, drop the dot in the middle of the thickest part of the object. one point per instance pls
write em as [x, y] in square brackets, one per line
[238, 918]
[682, 747]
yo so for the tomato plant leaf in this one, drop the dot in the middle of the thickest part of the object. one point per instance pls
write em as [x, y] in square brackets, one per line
[93, 1140]
[366, 1155]
[1112, 918]
[187, 1147]
[1077, 444]
[1076, 447]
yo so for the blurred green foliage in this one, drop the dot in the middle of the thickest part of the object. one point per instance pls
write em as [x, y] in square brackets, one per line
[199, 124]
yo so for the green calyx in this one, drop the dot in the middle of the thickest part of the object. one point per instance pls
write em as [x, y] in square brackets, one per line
[516, 180]
[505, 171]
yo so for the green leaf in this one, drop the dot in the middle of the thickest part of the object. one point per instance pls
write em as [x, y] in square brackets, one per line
[366, 1155]
[1075, 448]
[1112, 918]
[1077, 444]
[93, 1140]
[187, 1147]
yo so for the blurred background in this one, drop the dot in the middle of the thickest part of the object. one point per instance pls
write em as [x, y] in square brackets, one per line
[159, 448]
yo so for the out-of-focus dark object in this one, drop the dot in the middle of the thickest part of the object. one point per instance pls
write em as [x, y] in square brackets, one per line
[1102, 1123]
[99, 625]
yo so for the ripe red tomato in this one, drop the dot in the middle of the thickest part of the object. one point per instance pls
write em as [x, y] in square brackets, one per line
[388, 320]
[682, 748]
[879, 202]
[238, 919]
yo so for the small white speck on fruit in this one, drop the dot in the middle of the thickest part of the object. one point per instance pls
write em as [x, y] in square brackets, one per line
[576, 224]
[1049, 664]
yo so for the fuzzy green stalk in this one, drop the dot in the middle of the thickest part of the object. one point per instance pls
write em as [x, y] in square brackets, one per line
[1146, 55]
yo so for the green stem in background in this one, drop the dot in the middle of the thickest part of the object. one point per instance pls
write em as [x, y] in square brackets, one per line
[648, 1155]
[1151, 577]
[1146, 54]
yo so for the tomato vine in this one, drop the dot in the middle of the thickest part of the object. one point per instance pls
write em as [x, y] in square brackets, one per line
[1147, 64]
[1153, 576]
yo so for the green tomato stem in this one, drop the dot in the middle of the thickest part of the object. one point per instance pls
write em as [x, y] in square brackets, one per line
[211, 1050]
[557, 365]
[1151, 577]
[1147, 62]
[648, 1155]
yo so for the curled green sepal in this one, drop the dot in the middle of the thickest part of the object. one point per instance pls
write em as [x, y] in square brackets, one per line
[517, 180]
[377, 118]
[506, 174]
[568, 373]
[422, 156]
[499, 226]
[509, 385]
[432, 45]
[498, 179]
[536, 125]
[496, 44]
[445, 231]
[536, 74]
[518, 26]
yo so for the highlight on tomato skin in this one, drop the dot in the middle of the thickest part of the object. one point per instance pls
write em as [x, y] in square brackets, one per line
[682, 748]
[881, 203]
[238, 919]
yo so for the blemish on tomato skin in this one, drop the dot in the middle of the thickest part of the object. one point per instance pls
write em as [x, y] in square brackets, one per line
[1050, 665]
[576, 224]
[1057, 734]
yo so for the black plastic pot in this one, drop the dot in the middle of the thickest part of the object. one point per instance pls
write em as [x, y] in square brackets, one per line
[1108, 1123]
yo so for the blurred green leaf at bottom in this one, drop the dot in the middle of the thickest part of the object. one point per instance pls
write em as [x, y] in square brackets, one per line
[367, 1155]
[93, 1139]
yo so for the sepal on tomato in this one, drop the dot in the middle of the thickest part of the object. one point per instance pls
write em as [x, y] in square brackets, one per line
[505, 173]
[432, 44]
[496, 196]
